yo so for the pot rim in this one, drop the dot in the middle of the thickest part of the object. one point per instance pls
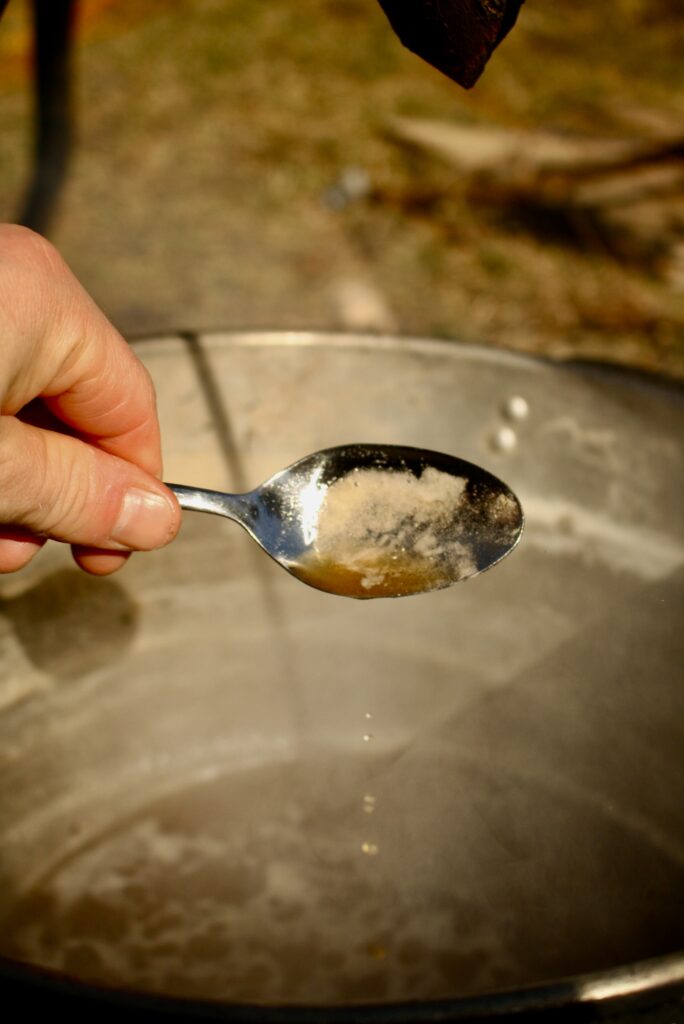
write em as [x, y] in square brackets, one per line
[312, 337]
[656, 979]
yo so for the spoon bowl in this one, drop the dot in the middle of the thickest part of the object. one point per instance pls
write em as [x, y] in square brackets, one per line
[369, 520]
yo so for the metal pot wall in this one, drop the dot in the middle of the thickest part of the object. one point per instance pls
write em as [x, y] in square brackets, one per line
[224, 795]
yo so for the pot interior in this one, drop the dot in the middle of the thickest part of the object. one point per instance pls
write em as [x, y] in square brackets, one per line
[216, 782]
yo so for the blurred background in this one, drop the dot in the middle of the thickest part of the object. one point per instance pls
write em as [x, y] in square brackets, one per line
[290, 165]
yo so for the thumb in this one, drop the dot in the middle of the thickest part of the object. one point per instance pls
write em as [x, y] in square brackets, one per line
[58, 486]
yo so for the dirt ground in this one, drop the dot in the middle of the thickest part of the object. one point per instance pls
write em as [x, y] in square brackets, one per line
[235, 168]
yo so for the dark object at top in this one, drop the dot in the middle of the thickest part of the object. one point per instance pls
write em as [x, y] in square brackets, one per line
[456, 36]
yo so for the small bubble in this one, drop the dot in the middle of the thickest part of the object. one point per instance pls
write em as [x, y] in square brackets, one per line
[368, 715]
[369, 803]
[367, 737]
[516, 408]
[504, 440]
[371, 849]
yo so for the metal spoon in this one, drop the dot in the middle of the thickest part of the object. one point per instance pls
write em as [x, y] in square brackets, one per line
[368, 520]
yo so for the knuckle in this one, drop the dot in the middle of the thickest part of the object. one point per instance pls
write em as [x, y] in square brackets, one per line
[27, 248]
[146, 380]
[69, 481]
[10, 465]
[31, 280]
[49, 489]
[149, 392]
[14, 471]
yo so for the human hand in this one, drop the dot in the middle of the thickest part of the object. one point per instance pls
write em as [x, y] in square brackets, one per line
[80, 455]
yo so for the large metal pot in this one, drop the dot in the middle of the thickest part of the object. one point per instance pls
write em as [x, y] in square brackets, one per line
[248, 800]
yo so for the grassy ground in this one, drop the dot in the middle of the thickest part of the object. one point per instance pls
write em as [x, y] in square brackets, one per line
[212, 134]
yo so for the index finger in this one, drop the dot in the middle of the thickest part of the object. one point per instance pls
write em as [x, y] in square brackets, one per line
[61, 348]
[107, 396]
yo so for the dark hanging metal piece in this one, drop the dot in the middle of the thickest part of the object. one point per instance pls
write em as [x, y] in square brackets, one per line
[456, 36]
[53, 120]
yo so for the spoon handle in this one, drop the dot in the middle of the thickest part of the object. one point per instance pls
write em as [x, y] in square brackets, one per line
[199, 499]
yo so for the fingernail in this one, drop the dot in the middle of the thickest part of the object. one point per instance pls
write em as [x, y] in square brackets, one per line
[145, 520]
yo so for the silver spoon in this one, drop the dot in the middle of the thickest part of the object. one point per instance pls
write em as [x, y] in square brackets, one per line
[368, 520]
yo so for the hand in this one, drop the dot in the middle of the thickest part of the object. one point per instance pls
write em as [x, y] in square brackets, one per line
[80, 452]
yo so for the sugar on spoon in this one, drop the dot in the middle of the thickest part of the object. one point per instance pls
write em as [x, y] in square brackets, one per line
[369, 520]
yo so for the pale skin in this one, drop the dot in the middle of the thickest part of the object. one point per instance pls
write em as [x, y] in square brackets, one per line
[80, 453]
